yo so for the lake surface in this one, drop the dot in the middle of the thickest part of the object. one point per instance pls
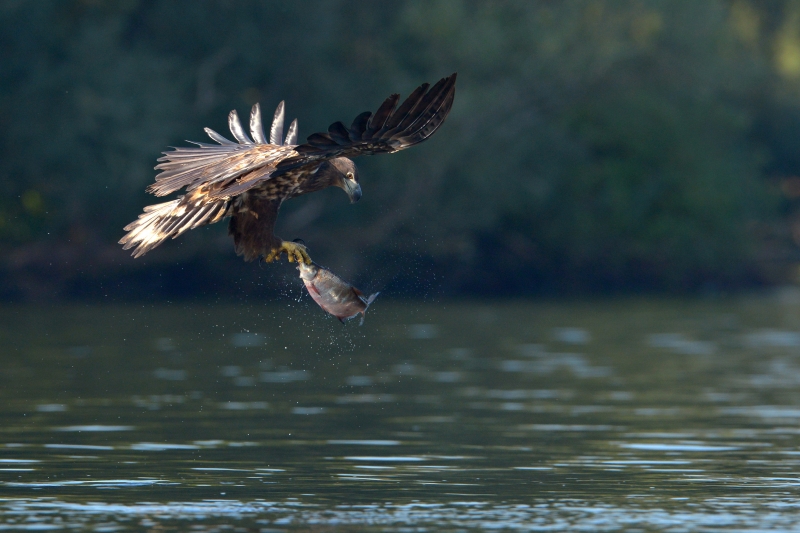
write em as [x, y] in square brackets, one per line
[630, 415]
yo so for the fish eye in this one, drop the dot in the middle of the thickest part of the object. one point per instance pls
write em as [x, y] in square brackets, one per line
[350, 175]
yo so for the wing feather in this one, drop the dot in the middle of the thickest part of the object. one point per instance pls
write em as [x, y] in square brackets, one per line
[423, 105]
[194, 220]
[291, 135]
[359, 126]
[236, 128]
[338, 133]
[321, 140]
[276, 131]
[426, 128]
[216, 137]
[256, 128]
[407, 106]
[170, 219]
[196, 167]
[431, 109]
[170, 226]
[382, 115]
[235, 187]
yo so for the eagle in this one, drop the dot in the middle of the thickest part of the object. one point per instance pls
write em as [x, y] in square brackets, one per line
[248, 180]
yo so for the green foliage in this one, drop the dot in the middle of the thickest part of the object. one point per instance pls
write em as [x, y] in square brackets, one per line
[591, 143]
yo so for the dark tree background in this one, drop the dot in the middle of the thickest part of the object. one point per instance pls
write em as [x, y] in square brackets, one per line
[617, 145]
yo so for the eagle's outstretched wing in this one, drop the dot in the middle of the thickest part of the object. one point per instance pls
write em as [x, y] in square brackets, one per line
[212, 174]
[227, 169]
[389, 130]
[171, 219]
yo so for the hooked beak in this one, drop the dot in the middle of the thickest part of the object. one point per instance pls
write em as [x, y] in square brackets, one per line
[353, 190]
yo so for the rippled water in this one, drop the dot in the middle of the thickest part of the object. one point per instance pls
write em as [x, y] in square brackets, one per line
[605, 415]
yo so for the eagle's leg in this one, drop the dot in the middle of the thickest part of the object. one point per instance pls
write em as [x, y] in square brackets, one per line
[293, 250]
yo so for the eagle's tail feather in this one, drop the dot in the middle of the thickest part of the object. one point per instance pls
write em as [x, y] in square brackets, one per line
[159, 222]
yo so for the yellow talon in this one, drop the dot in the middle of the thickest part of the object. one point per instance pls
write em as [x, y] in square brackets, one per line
[295, 252]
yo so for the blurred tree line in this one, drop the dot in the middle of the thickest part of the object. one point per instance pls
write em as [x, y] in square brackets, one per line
[598, 145]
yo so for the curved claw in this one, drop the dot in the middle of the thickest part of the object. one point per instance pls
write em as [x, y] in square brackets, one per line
[295, 252]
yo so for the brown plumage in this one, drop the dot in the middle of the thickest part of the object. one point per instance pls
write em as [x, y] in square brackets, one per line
[248, 180]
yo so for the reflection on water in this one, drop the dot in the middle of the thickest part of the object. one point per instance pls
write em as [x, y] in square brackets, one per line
[596, 416]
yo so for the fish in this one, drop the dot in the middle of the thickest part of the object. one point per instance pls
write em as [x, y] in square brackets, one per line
[334, 295]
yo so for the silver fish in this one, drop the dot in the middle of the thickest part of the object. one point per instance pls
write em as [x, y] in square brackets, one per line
[333, 294]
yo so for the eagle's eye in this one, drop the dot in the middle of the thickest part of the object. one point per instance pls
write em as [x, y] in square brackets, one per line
[350, 175]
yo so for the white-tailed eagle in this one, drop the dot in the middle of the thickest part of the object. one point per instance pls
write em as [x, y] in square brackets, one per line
[248, 180]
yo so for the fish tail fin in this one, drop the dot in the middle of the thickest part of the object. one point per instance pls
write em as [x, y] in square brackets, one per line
[371, 299]
[368, 301]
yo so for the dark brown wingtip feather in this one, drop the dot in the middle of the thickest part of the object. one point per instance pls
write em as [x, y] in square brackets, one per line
[382, 114]
[429, 115]
[426, 107]
[359, 126]
[390, 129]
[302, 149]
[339, 133]
[429, 127]
[321, 140]
[407, 106]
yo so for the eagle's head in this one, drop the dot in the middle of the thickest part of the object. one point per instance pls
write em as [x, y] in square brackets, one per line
[345, 176]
